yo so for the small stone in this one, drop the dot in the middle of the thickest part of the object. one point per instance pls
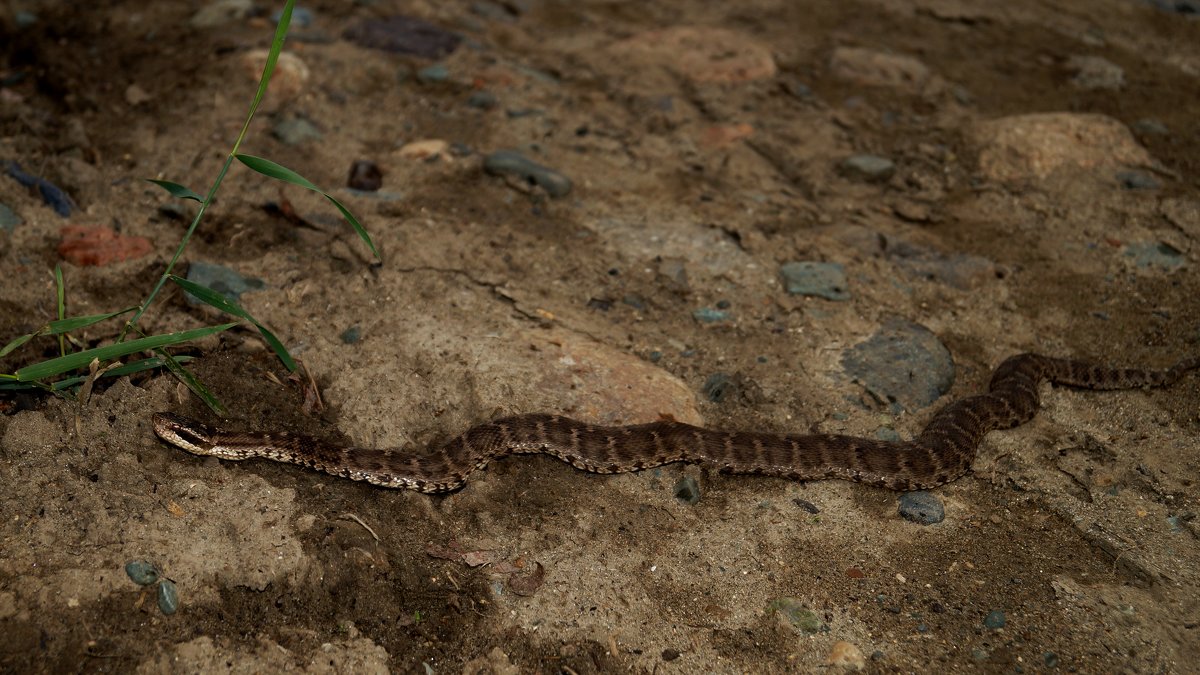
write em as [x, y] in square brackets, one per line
[806, 505]
[868, 167]
[655, 356]
[921, 507]
[1138, 180]
[792, 612]
[994, 619]
[847, 656]
[222, 280]
[424, 149]
[141, 572]
[513, 163]
[1036, 145]
[9, 220]
[670, 654]
[404, 35]
[1155, 254]
[25, 18]
[880, 69]
[1151, 127]
[135, 95]
[437, 72]
[301, 17]
[287, 81]
[295, 131]
[709, 315]
[855, 573]
[351, 335]
[687, 490]
[819, 279]
[902, 365]
[168, 597]
[98, 246]
[482, 100]
[220, 12]
[718, 387]
[365, 176]
[887, 434]
[1050, 659]
[1094, 72]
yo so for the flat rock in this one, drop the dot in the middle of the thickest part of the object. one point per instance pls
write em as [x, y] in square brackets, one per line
[1037, 145]
[820, 279]
[404, 35]
[880, 69]
[903, 365]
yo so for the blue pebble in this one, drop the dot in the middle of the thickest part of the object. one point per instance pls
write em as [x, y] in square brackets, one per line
[709, 315]
[994, 619]
[168, 597]
[922, 507]
[52, 195]
[351, 335]
[9, 220]
[141, 572]
[1155, 254]
[438, 72]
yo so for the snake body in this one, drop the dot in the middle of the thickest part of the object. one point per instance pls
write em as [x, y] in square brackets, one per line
[942, 452]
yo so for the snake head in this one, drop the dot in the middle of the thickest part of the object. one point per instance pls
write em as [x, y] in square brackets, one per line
[187, 434]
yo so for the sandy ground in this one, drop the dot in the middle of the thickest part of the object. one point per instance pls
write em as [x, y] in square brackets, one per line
[1042, 197]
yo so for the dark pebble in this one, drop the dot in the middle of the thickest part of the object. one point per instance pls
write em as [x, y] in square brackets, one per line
[868, 167]
[655, 356]
[403, 35]
[819, 279]
[1151, 127]
[52, 195]
[365, 175]
[994, 619]
[222, 280]
[687, 490]
[168, 597]
[141, 572]
[483, 100]
[1138, 180]
[511, 162]
[719, 387]
[351, 335]
[806, 505]
[709, 315]
[634, 301]
[724, 304]
[903, 365]
[1155, 254]
[670, 655]
[9, 220]
[921, 507]
[432, 74]
[1050, 659]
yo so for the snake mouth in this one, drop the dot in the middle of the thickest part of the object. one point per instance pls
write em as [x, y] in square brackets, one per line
[184, 433]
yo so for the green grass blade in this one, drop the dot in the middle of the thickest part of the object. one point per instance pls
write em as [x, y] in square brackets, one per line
[193, 383]
[268, 168]
[77, 322]
[127, 369]
[281, 29]
[63, 364]
[61, 294]
[211, 297]
[177, 190]
[8, 348]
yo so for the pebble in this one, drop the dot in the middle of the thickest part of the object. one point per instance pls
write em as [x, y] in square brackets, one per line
[1095, 72]
[710, 315]
[1151, 127]
[847, 656]
[301, 17]
[922, 507]
[718, 387]
[222, 280]
[404, 35]
[220, 12]
[288, 80]
[959, 270]
[513, 163]
[141, 572]
[792, 612]
[97, 246]
[437, 72]
[295, 131]
[351, 335]
[9, 220]
[869, 67]
[52, 195]
[365, 176]
[1156, 254]
[1050, 659]
[168, 597]
[994, 619]
[1138, 180]
[424, 149]
[25, 18]
[1038, 144]
[903, 365]
[887, 434]
[806, 505]
[670, 654]
[868, 167]
[818, 279]
[482, 100]
[687, 490]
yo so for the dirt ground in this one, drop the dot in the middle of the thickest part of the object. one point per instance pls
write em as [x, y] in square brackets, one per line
[1042, 196]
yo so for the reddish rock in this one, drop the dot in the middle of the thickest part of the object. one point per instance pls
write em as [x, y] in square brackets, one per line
[98, 245]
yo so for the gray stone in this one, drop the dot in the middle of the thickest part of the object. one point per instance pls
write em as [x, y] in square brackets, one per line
[921, 507]
[513, 163]
[994, 619]
[220, 12]
[1138, 180]
[793, 613]
[295, 131]
[9, 220]
[141, 572]
[868, 167]
[710, 315]
[687, 490]
[168, 597]
[1155, 254]
[483, 100]
[903, 365]
[438, 72]
[1094, 72]
[820, 279]
[222, 280]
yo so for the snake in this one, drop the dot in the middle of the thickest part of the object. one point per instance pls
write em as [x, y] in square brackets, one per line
[943, 451]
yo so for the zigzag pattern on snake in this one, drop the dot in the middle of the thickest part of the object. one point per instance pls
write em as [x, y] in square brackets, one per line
[942, 452]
